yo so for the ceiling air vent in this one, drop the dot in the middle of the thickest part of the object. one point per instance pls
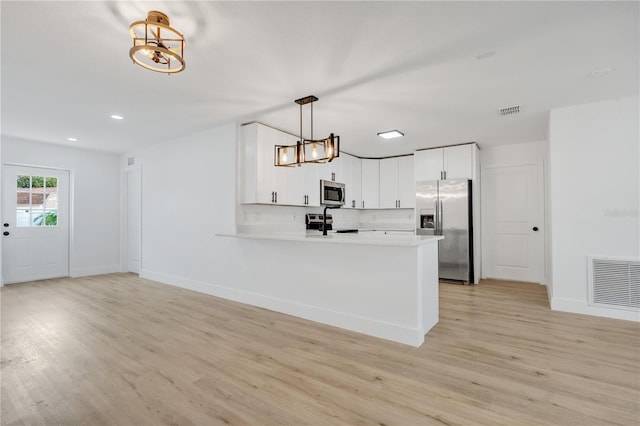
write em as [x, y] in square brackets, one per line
[509, 110]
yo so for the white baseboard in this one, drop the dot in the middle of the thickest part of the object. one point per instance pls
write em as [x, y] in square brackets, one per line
[94, 270]
[369, 326]
[581, 307]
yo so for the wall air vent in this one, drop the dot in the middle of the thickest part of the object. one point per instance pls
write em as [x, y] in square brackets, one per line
[131, 161]
[614, 283]
[509, 110]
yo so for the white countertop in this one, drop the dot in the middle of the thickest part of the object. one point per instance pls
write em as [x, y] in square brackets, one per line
[367, 238]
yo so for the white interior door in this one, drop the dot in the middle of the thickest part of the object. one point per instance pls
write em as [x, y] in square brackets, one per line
[134, 206]
[35, 219]
[512, 216]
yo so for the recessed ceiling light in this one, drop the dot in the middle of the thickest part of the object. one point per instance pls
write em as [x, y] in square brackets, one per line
[390, 134]
[486, 55]
[602, 72]
[117, 117]
[72, 139]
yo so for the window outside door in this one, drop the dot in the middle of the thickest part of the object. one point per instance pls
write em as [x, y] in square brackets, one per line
[35, 224]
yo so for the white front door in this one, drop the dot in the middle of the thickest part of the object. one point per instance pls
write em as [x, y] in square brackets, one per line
[513, 229]
[35, 224]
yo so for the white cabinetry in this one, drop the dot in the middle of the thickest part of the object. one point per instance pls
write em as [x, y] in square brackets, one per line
[331, 170]
[397, 182]
[263, 182]
[303, 187]
[452, 162]
[351, 175]
[370, 183]
[311, 194]
[406, 182]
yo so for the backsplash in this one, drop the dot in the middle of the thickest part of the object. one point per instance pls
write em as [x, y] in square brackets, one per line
[258, 218]
[383, 219]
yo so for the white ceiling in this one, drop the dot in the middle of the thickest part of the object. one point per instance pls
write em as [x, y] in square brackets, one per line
[411, 66]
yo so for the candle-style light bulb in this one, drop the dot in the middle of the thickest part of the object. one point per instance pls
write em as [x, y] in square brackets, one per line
[314, 150]
[284, 156]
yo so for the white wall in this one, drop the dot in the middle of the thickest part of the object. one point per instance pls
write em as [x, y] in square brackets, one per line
[95, 204]
[188, 195]
[595, 185]
[514, 154]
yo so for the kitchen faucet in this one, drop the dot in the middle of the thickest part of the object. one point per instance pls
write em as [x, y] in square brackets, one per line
[324, 218]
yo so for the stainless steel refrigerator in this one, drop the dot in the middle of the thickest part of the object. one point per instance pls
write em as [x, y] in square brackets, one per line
[444, 207]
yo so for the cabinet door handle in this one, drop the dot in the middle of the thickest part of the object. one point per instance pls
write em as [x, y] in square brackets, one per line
[398, 203]
[445, 175]
[353, 204]
[273, 197]
[363, 204]
[276, 197]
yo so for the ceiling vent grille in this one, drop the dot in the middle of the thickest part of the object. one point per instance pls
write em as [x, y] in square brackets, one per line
[614, 283]
[509, 110]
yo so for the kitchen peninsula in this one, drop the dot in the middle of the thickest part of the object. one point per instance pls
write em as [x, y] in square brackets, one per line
[381, 285]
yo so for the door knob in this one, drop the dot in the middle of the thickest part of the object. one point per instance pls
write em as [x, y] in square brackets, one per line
[5, 233]
[535, 228]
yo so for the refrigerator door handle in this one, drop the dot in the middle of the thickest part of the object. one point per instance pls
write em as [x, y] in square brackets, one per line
[436, 226]
[441, 217]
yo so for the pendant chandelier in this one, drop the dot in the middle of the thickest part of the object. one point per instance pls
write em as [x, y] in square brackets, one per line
[307, 150]
[157, 46]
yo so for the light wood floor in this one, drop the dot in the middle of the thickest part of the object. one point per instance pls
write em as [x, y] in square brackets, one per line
[121, 350]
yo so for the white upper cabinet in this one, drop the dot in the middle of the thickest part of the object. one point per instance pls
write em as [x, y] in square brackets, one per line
[354, 194]
[331, 170]
[350, 174]
[428, 164]
[389, 183]
[459, 161]
[263, 183]
[406, 182]
[397, 182]
[295, 176]
[453, 162]
[311, 184]
[370, 184]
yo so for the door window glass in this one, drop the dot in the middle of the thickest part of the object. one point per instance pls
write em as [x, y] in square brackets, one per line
[36, 201]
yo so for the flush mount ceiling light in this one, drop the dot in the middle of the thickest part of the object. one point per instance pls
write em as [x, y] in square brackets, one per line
[72, 139]
[307, 150]
[390, 134]
[157, 46]
[117, 117]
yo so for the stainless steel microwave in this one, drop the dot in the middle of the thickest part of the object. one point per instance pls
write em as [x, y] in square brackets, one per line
[332, 193]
